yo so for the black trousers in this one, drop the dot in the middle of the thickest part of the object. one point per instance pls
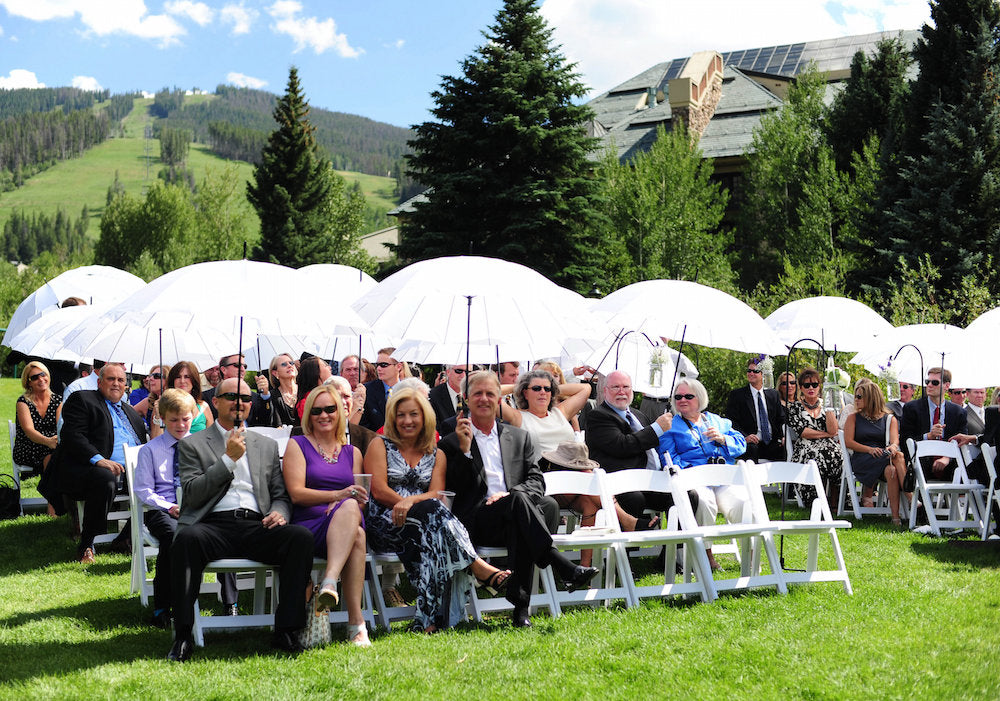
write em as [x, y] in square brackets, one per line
[636, 503]
[219, 535]
[96, 488]
[162, 526]
[523, 525]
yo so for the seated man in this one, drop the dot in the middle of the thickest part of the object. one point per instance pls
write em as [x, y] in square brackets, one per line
[388, 370]
[757, 414]
[90, 457]
[235, 505]
[444, 398]
[933, 418]
[500, 494]
[260, 411]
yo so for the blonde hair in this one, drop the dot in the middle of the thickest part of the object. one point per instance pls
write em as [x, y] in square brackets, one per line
[874, 401]
[175, 401]
[28, 371]
[340, 422]
[425, 442]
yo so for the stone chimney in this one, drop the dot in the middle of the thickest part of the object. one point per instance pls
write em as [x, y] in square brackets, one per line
[695, 93]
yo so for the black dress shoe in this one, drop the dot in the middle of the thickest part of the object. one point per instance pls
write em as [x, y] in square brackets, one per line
[230, 610]
[287, 641]
[519, 617]
[580, 577]
[161, 619]
[181, 650]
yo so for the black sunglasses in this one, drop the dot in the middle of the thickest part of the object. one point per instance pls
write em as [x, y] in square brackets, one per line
[34, 377]
[787, 382]
[859, 396]
[283, 364]
[231, 396]
[753, 372]
[384, 364]
[329, 409]
[231, 365]
[678, 397]
[932, 383]
[539, 388]
[459, 371]
[808, 385]
[156, 375]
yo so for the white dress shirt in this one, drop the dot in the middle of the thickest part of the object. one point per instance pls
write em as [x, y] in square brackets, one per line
[240, 494]
[489, 450]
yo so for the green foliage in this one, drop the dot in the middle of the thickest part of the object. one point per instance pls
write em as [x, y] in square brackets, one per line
[665, 211]
[506, 162]
[174, 146]
[222, 214]
[290, 185]
[165, 102]
[24, 236]
[343, 215]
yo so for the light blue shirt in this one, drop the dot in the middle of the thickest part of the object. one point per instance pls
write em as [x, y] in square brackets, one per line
[124, 433]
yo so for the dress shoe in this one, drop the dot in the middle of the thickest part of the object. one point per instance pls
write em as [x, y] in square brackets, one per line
[87, 558]
[181, 650]
[580, 577]
[230, 610]
[161, 619]
[519, 617]
[287, 641]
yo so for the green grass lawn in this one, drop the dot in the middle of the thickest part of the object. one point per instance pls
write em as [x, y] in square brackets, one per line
[923, 623]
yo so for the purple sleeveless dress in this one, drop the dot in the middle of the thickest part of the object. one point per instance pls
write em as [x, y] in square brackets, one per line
[327, 476]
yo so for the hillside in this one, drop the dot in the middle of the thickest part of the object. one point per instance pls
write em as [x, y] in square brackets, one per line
[73, 183]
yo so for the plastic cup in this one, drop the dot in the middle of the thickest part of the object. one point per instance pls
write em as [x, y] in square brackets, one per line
[364, 481]
[446, 498]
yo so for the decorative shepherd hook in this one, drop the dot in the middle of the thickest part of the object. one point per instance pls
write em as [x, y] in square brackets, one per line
[910, 345]
[677, 365]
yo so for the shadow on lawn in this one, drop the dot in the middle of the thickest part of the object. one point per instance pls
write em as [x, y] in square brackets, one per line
[971, 553]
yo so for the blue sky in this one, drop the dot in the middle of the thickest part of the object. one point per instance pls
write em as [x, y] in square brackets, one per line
[382, 58]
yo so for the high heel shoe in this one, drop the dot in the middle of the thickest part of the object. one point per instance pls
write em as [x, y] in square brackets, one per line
[354, 630]
[328, 597]
[496, 582]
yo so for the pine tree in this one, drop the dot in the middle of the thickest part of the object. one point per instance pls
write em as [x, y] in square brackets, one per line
[506, 163]
[289, 184]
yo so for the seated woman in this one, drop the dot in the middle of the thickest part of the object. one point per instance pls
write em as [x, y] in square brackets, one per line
[153, 385]
[567, 390]
[872, 432]
[405, 517]
[817, 431]
[185, 377]
[37, 414]
[699, 437]
[319, 468]
[281, 374]
[313, 372]
[787, 385]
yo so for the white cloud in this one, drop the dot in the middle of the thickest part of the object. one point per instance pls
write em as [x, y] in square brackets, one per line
[592, 33]
[86, 82]
[20, 78]
[198, 12]
[239, 16]
[102, 18]
[245, 81]
[398, 44]
[310, 32]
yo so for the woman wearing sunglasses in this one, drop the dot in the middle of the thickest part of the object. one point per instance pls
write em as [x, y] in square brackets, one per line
[817, 435]
[699, 437]
[282, 374]
[872, 432]
[787, 385]
[184, 376]
[38, 411]
[319, 468]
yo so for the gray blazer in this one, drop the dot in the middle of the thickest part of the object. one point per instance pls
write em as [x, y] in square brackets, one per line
[205, 478]
[976, 425]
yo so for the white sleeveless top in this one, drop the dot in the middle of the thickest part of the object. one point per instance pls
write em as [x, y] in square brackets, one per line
[548, 432]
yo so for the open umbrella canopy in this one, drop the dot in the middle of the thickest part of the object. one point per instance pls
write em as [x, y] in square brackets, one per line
[512, 307]
[349, 283]
[95, 284]
[702, 315]
[648, 361]
[44, 337]
[204, 307]
[836, 322]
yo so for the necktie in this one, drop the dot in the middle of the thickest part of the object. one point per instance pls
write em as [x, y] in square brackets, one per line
[765, 425]
[126, 424]
[652, 458]
[177, 472]
[937, 415]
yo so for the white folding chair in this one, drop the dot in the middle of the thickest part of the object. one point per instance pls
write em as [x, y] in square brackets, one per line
[992, 493]
[264, 576]
[941, 500]
[820, 522]
[144, 545]
[27, 503]
[385, 614]
[607, 541]
[849, 485]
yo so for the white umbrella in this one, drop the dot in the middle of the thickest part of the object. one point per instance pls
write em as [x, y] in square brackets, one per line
[492, 303]
[428, 352]
[836, 322]
[207, 308]
[899, 346]
[347, 282]
[678, 309]
[43, 337]
[648, 361]
[95, 284]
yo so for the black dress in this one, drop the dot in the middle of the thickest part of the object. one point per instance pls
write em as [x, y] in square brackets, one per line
[26, 451]
[868, 469]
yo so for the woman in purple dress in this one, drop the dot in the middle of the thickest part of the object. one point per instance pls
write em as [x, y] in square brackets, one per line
[319, 468]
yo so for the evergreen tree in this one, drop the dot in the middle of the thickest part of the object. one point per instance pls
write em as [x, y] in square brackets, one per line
[290, 184]
[506, 163]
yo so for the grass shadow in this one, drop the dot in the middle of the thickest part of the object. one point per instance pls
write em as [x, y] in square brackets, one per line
[966, 553]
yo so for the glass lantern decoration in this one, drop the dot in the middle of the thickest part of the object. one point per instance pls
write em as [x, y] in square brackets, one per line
[657, 359]
[887, 377]
[835, 382]
[766, 366]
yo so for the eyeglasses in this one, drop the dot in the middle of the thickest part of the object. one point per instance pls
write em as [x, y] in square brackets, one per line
[283, 364]
[859, 396]
[905, 386]
[383, 364]
[753, 371]
[156, 375]
[231, 397]
[34, 377]
[459, 371]
[620, 388]
[808, 385]
[539, 388]
[932, 383]
[958, 391]
[678, 397]
[329, 409]
[787, 382]
[232, 365]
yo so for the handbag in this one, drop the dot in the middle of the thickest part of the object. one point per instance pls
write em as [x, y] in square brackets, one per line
[317, 630]
[10, 498]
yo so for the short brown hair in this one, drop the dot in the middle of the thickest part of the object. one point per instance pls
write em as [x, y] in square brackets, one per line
[944, 373]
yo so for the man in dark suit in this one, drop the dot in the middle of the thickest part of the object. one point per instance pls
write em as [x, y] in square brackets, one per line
[260, 405]
[500, 494]
[445, 397]
[756, 413]
[235, 505]
[975, 411]
[933, 418]
[387, 368]
[90, 458]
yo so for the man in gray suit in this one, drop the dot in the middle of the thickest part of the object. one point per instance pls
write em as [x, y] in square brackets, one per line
[974, 409]
[235, 505]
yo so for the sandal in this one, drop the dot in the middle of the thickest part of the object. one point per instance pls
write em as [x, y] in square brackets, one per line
[354, 630]
[651, 525]
[496, 582]
[328, 597]
[867, 502]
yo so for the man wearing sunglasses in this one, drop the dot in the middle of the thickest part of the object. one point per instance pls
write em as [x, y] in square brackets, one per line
[235, 366]
[444, 398]
[235, 505]
[934, 418]
[377, 391]
[757, 414]
[906, 392]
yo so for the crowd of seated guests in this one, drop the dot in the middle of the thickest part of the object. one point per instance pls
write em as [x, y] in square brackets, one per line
[382, 420]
